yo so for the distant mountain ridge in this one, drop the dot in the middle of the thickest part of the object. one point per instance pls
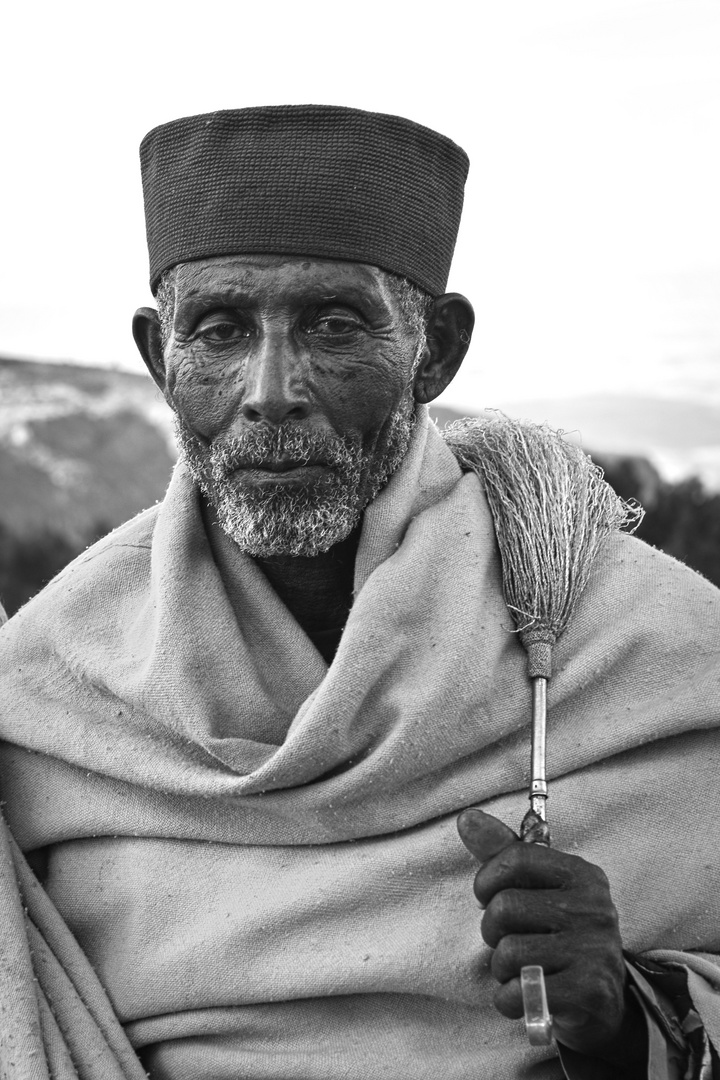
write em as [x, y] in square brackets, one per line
[83, 448]
[681, 437]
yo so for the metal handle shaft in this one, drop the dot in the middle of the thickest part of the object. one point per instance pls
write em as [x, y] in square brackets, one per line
[534, 830]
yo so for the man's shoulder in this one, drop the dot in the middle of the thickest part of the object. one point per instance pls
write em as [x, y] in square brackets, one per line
[133, 535]
[130, 541]
[123, 554]
[641, 564]
[640, 598]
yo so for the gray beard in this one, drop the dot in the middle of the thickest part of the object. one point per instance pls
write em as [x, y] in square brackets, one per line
[274, 520]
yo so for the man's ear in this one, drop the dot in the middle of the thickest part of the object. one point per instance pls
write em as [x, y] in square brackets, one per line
[449, 330]
[146, 331]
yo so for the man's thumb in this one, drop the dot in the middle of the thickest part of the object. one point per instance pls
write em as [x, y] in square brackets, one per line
[483, 835]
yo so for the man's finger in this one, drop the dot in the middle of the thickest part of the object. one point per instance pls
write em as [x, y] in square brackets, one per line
[524, 911]
[528, 866]
[482, 834]
[552, 952]
[572, 1011]
[563, 999]
[508, 1000]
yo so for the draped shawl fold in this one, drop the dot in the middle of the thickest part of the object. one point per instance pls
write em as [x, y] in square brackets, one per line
[253, 861]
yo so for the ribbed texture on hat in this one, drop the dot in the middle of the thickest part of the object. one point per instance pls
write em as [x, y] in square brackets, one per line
[317, 180]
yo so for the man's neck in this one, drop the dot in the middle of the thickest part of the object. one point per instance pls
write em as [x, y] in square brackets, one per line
[317, 590]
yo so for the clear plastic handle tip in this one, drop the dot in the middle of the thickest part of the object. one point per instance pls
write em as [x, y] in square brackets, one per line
[538, 1021]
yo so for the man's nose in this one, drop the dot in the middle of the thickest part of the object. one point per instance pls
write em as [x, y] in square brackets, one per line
[275, 387]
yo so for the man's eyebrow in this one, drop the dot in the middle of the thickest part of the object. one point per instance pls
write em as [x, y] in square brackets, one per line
[232, 293]
[360, 292]
[219, 293]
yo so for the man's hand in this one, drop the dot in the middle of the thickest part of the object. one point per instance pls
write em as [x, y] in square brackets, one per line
[547, 907]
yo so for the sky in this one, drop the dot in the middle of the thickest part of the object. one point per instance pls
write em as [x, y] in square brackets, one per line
[590, 242]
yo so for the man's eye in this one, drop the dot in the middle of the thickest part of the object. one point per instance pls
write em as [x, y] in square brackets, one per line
[334, 325]
[222, 331]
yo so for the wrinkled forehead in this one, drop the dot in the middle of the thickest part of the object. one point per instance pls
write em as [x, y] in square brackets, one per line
[264, 277]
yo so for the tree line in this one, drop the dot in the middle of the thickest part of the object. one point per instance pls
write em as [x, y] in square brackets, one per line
[682, 519]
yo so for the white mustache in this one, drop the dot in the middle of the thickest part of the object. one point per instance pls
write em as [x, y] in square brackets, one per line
[285, 446]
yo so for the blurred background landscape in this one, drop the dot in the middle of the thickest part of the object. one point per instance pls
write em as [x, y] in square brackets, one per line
[84, 448]
[589, 246]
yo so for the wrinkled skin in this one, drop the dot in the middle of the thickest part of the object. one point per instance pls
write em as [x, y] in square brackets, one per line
[266, 339]
[260, 340]
[263, 339]
[547, 907]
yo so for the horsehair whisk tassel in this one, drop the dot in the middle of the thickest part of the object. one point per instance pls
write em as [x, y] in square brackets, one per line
[552, 509]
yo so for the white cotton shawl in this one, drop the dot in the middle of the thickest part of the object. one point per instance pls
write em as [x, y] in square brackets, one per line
[258, 853]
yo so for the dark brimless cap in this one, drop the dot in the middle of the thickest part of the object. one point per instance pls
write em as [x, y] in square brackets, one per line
[315, 180]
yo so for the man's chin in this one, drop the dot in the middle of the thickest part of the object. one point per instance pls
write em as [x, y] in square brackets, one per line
[300, 532]
[282, 510]
[283, 516]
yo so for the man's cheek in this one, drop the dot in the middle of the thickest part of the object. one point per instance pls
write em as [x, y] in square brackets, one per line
[205, 395]
[361, 398]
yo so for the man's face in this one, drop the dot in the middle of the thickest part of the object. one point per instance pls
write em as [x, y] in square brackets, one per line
[291, 380]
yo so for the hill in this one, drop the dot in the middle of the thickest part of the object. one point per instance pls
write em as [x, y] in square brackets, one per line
[680, 437]
[83, 449]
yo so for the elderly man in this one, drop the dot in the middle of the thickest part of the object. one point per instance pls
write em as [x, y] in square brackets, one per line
[239, 730]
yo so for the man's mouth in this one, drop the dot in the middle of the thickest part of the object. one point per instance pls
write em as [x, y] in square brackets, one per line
[280, 471]
[283, 465]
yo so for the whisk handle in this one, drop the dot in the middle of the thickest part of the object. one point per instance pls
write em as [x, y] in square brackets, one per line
[534, 828]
